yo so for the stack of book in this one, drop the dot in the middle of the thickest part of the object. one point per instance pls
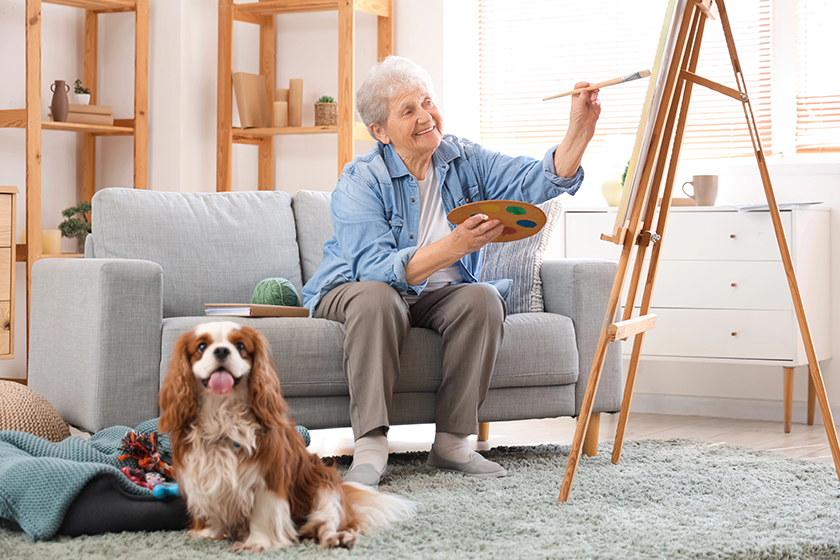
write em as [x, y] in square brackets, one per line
[91, 114]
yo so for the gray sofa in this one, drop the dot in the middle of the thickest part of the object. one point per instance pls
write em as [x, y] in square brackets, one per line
[102, 328]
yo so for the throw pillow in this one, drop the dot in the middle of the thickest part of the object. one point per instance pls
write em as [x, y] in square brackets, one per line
[521, 261]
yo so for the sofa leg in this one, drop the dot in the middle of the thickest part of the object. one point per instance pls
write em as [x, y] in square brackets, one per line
[590, 443]
[483, 431]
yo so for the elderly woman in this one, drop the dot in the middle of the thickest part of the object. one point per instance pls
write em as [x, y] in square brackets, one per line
[395, 262]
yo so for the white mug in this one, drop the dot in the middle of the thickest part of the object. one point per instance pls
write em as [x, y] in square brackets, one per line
[705, 189]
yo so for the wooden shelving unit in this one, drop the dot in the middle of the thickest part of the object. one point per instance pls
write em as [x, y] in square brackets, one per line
[262, 13]
[30, 118]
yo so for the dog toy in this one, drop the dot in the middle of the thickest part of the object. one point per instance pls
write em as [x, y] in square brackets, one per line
[137, 476]
[144, 449]
[166, 489]
[276, 291]
[154, 479]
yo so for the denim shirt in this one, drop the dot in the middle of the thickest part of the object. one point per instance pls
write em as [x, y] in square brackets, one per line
[376, 210]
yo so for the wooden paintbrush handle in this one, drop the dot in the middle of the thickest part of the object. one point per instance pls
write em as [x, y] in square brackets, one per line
[614, 81]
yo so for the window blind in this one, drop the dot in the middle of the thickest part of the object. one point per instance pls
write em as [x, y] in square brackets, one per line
[818, 80]
[530, 49]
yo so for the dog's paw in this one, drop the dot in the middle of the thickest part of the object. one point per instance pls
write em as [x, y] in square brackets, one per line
[250, 546]
[205, 533]
[342, 539]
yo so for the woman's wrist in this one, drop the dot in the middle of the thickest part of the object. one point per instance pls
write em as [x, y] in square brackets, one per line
[570, 152]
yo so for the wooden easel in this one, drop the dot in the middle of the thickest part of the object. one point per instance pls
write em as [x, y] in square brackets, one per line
[639, 229]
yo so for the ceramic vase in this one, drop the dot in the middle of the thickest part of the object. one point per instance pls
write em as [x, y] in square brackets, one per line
[611, 189]
[59, 106]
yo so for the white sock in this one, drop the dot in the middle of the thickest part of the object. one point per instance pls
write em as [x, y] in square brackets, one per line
[453, 447]
[372, 449]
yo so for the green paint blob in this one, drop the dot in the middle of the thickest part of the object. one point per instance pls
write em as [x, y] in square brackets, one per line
[517, 210]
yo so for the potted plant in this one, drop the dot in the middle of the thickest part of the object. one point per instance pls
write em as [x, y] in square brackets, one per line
[326, 111]
[73, 227]
[82, 93]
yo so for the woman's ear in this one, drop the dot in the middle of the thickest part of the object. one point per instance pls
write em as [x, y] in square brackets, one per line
[379, 132]
[263, 385]
[177, 398]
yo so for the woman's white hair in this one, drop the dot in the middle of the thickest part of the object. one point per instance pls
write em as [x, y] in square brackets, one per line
[388, 77]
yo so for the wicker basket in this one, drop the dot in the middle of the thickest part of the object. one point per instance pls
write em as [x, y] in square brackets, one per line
[24, 410]
[326, 114]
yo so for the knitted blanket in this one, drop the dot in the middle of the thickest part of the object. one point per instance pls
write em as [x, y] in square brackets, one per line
[39, 479]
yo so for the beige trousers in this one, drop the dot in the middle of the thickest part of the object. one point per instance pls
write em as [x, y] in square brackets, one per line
[470, 319]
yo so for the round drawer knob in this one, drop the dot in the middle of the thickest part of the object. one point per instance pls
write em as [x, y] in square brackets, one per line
[734, 334]
[734, 285]
[732, 236]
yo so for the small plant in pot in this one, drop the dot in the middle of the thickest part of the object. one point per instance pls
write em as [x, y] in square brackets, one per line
[326, 111]
[82, 93]
[73, 227]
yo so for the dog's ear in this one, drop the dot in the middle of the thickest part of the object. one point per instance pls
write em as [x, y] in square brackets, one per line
[263, 385]
[177, 398]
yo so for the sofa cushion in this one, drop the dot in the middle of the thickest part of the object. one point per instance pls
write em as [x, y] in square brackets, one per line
[538, 350]
[205, 242]
[313, 221]
[521, 261]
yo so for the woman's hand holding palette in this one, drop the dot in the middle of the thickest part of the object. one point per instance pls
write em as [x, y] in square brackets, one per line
[520, 219]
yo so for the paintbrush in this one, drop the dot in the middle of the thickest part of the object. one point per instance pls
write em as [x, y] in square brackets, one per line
[629, 78]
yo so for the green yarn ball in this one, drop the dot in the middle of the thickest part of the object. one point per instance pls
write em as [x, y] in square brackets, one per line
[304, 433]
[276, 291]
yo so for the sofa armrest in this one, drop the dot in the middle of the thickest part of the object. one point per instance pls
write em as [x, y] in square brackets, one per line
[94, 339]
[580, 289]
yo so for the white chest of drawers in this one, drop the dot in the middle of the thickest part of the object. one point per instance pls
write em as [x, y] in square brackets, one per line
[721, 294]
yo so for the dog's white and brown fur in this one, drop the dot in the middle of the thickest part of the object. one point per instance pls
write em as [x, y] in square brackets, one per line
[241, 465]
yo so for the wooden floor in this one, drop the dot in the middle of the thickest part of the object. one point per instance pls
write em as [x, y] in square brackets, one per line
[804, 442]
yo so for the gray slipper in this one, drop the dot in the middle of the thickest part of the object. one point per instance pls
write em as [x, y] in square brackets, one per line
[476, 466]
[364, 474]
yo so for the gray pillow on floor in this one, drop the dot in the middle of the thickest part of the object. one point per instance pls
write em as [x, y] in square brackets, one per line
[521, 261]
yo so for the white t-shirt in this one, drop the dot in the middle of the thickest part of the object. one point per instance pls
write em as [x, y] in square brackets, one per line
[433, 226]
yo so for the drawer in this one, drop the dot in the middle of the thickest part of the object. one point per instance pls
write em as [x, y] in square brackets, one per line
[6, 220]
[5, 273]
[721, 333]
[5, 332]
[706, 235]
[718, 285]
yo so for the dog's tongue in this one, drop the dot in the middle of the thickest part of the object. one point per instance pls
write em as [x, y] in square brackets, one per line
[220, 382]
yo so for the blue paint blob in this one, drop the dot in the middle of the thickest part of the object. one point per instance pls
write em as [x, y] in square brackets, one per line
[526, 223]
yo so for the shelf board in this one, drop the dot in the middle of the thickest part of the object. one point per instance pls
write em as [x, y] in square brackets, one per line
[253, 135]
[272, 7]
[99, 129]
[21, 248]
[248, 133]
[97, 5]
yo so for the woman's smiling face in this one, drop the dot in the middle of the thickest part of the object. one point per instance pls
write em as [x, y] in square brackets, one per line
[414, 125]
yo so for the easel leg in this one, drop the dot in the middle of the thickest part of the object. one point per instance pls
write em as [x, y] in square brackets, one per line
[788, 390]
[812, 401]
[591, 388]
[629, 386]
[593, 431]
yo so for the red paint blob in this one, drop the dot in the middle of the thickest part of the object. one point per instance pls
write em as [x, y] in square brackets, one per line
[508, 230]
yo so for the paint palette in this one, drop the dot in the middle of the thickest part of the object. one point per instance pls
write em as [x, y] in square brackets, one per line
[520, 219]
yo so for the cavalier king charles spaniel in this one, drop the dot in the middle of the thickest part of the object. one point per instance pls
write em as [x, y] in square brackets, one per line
[238, 459]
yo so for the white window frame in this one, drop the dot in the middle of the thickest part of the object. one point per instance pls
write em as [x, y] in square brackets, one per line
[461, 63]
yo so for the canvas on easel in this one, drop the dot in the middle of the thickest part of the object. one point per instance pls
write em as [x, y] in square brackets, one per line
[641, 223]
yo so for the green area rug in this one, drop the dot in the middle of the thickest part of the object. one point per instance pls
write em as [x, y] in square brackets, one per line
[666, 499]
